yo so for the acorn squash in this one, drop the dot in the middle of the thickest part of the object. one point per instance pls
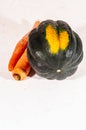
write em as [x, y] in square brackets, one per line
[54, 50]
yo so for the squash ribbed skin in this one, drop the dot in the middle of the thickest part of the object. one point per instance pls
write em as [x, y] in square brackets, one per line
[60, 65]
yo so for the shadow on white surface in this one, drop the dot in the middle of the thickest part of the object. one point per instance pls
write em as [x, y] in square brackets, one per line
[11, 32]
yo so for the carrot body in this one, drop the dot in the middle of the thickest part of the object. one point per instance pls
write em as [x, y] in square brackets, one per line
[22, 67]
[19, 49]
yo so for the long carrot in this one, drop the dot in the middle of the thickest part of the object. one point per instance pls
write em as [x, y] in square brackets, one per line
[22, 67]
[19, 49]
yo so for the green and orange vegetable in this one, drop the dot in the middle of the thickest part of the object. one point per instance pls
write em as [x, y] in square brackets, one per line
[54, 50]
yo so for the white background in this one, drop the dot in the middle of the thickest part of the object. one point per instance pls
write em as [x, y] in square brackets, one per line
[37, 103]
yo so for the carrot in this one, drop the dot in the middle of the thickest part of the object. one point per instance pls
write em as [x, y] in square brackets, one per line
[19, 49]
[22, 67]
[32, 72]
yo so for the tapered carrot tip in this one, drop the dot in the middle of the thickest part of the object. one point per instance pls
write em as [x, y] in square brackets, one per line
[22, 68]
[20, 74]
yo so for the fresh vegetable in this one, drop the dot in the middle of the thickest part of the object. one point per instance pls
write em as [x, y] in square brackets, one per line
[18, 63]
[54, 50]
[22, 68]
[19, 49]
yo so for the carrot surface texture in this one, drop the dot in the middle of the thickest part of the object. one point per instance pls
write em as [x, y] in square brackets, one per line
[22, 68]
[19, 49]
[19, 63]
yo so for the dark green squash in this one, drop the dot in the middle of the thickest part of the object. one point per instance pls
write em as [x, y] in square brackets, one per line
[54, 50]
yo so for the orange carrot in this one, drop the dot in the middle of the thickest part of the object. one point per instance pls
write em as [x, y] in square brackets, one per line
[22, 67]
[19, 49]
